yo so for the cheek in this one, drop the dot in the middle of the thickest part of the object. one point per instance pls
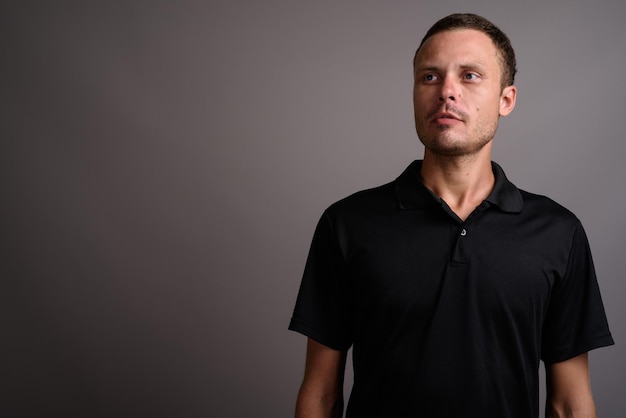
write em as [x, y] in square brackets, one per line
[488, 108]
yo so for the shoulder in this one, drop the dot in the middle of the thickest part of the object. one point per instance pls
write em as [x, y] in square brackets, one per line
[375, 199]
[545, 207]
[384, 199]
[360, 216]
[549, 219]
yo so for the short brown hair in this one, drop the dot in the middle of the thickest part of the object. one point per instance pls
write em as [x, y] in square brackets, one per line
[473, 21]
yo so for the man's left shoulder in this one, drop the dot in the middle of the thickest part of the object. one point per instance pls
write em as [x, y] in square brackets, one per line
[544, 207]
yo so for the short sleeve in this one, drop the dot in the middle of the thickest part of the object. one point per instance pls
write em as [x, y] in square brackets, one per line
[576, 321]
[323, 309]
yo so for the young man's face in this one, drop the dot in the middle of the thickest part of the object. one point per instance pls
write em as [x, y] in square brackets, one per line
[457, 95]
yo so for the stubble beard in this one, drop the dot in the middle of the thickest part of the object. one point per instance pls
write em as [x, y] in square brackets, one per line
[447, 143]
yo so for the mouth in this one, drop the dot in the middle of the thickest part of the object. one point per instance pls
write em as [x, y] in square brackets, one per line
[446, 118]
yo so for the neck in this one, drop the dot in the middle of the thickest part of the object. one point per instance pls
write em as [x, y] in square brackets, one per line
[462, 182]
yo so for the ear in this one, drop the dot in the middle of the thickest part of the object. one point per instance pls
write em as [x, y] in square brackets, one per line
[507, 100]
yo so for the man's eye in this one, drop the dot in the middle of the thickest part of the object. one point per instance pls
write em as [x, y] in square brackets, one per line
[430, 77]
[470, 76]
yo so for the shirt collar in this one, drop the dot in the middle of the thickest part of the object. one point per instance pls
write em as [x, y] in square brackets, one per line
[412, 194]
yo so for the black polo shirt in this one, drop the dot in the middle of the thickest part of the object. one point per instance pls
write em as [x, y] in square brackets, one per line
[449, 318]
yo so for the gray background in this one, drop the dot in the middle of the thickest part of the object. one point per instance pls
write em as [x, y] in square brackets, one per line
[163, 165]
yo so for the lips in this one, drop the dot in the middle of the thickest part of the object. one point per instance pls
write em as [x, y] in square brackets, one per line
[446, 116]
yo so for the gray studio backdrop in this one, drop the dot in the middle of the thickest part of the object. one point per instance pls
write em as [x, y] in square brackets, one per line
[163, 165]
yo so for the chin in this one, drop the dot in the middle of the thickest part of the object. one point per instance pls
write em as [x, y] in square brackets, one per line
[453, 148]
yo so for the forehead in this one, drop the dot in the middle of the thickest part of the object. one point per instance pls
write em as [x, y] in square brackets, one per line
[468, 45]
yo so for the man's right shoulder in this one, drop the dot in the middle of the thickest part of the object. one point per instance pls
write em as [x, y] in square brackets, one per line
[376, 199]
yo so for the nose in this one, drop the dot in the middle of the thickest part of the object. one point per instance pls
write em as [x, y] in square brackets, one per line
[449, 90]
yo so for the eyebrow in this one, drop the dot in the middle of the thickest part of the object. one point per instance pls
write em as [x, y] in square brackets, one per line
[464, 66]
[427, 68]
[473, 65]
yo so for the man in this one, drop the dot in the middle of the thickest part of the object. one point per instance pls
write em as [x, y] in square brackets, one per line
[450, 284]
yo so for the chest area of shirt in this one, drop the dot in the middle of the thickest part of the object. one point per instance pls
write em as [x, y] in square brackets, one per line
[416, 266]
